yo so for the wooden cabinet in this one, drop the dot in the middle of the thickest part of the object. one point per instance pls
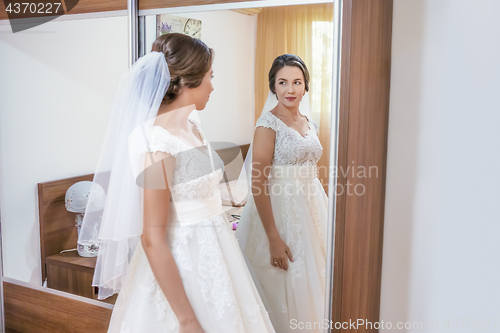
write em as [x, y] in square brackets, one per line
[71, 273]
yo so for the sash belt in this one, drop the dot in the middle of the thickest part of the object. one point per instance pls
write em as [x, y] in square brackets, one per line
[188, 212]
[293, 172]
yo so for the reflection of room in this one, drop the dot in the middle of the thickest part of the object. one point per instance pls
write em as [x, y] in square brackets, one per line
[59, 129]
[245, 43]
[237, 36]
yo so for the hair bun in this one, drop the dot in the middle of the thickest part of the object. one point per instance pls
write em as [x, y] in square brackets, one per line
[188, 61]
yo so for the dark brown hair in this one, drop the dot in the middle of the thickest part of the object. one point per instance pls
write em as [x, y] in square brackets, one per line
[287, 60]
[188, 60]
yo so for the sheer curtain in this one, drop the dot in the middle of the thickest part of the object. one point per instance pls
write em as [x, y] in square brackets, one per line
[307, 31]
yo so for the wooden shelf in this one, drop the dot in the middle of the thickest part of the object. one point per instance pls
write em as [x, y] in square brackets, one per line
[69, 272]
[72, 260]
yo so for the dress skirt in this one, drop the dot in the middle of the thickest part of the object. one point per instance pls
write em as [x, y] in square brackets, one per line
[216, 279]
[299, 205]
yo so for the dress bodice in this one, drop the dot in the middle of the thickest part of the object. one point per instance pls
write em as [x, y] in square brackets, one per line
[290, 147]
[197, 172]
[211, 267]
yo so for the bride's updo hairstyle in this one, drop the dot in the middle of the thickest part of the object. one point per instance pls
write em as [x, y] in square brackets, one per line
[287, 60]
[188, 60]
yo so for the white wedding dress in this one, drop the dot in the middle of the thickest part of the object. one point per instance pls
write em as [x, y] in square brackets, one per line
[299, 204]
[214, 274]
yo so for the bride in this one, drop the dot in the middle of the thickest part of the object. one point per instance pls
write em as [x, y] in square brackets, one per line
[283, 225]
[165, 244]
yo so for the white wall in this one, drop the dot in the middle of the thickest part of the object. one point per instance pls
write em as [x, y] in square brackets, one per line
[57, 85]
[230, 114]
[442, 223]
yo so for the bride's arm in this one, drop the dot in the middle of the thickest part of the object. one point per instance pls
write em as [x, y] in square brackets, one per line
[156, 248]
[262, 155]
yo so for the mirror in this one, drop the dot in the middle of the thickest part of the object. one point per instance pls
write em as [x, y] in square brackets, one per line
[245, 41]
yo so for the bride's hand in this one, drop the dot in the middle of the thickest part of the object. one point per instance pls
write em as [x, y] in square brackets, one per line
[190, 326]
[280, 253]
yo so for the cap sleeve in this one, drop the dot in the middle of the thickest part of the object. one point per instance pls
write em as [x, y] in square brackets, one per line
[267, 120]
[315, 125]
[161, 140]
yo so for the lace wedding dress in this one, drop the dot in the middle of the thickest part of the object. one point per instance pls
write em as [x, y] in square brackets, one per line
[214, 274]
[299, 204]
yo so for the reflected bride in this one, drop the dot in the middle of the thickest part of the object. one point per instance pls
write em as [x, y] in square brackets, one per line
[283, 225]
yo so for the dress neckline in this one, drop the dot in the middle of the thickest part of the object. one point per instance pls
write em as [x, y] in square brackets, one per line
[198, 129]
[302, 136]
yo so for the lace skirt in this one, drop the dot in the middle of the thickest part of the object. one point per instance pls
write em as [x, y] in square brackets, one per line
[300, 213]
[216, 279]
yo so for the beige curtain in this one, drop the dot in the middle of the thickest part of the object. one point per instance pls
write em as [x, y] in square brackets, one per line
[306, 31]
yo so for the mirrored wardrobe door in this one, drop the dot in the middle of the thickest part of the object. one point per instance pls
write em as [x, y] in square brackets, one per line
[50, 141]
[246, 41]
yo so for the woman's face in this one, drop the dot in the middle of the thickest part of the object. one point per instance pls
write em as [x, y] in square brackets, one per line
[201, 94]
[290, 86]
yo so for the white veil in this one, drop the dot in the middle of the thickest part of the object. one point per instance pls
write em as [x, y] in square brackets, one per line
[118, 226]
[244, 180]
